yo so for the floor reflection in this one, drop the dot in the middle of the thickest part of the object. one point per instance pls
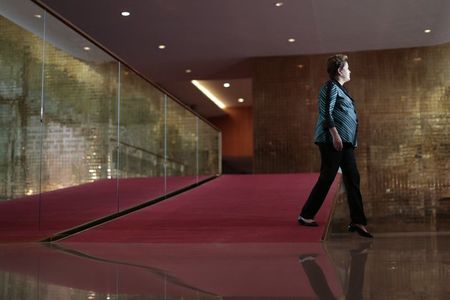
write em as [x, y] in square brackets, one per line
[414, 267]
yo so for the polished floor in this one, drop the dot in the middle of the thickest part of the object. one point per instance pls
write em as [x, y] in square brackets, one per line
[408, 266]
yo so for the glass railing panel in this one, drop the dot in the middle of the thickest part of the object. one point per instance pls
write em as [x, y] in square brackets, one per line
[80, 124]
[21, 29]
[181, 139]
[62, 99]
[141, 140]
[208, 151]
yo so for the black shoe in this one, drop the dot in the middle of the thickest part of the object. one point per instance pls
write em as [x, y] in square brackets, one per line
[361, 232]
[303, 222]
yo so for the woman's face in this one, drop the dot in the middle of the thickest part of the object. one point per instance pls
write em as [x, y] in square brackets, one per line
[344, 72]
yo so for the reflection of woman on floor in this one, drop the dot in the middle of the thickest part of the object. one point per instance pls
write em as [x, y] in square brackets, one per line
[319, 282]
[357, 270]
[316, 277]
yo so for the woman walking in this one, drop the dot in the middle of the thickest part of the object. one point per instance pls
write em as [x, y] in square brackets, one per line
[335, 135]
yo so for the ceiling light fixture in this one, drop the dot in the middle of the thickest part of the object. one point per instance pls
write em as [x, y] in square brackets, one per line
[291, 40]
[241, 100]
[208, 94]
[162, 46]
[188, 70]
[278, 4]
[125, 13]
[427, 30]
[226, 84]
[38, 16]
[86, 48]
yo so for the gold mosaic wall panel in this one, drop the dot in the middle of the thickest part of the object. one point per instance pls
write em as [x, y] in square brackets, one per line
[20, 103]
[403, 102]
[80, 98]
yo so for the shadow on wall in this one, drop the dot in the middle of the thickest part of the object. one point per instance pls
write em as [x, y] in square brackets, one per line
[237, 165]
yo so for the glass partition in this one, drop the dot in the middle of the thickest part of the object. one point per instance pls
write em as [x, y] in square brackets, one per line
[82, 135]
[208, 151]
[80, 124]
[21, 52]
[181, 139]
[141, 140]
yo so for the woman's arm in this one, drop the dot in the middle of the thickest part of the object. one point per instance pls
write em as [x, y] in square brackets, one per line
[337, 141]
[330, 102]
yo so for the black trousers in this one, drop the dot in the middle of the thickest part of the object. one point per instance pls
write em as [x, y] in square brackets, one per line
[331, 160]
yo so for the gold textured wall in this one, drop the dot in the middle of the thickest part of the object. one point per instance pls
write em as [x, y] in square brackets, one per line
[403, 101]
[78, 137]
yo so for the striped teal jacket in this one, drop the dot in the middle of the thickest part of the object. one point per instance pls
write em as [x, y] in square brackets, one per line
[336, 109]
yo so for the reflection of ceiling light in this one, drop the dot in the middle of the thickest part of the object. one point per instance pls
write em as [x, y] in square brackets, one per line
[300, 66]
[86, 48]
[188, 70]
[208, 94]
[278, 4]
[226, 84]
[427, 30]
[417, 59]
[240, 100]
[38, 16]
[162, 46]
[125, 13]
[291, 40]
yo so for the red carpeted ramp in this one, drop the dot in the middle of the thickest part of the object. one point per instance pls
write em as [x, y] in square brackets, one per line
[36, 217]
[229, 209]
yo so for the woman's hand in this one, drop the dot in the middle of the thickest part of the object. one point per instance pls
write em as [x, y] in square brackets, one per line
[337, 141]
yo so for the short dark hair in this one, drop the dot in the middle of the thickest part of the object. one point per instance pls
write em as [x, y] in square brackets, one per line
[336, 62]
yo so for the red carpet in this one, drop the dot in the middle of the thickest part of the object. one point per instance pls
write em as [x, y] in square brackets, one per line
[229, 209]
[69, 207]
[194, 271]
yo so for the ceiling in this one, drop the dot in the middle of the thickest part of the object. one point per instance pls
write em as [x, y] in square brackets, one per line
[216, 39]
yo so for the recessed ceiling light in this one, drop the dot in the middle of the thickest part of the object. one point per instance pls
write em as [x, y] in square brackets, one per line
[38, 16]
[87, 48]
[291, 40]
[125, 13]
[278, 4]
[162, 46]
[188, 70]
[240, 100]
[427, 30]
[226, 84]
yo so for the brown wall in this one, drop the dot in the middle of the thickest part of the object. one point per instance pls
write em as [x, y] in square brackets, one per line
[403, 102]
[237, 131]
[237, 140]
